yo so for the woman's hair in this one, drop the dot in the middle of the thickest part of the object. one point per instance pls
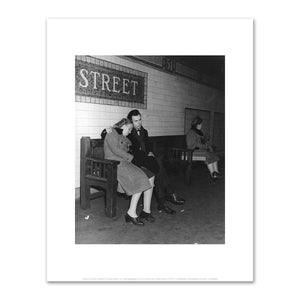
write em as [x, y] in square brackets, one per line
[196, 122]
[122, 122]
[117, 127]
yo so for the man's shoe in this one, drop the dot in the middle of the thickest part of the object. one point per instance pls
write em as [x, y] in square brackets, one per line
[215, 176]
[175, 199]
[146, 216]
[167, 210]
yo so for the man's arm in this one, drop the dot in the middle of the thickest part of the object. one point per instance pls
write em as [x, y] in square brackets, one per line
[113, 144]
[148, 144]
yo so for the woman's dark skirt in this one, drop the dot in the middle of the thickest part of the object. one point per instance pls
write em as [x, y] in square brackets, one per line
[147, 172]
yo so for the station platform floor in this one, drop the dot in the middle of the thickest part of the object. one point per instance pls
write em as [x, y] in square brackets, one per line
[201, 220]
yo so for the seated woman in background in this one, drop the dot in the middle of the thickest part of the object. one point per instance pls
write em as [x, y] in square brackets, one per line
[195, 140]
[132, 179]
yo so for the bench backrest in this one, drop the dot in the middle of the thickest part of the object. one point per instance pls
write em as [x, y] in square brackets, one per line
[97, 150]
[162, 143]
[94, 147]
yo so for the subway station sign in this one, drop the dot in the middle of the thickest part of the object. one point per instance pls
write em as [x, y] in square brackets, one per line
[101, 79]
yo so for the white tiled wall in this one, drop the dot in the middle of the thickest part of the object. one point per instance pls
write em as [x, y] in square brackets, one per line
[167, 97]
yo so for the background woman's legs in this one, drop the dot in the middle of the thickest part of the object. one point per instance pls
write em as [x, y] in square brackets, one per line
[212, 164]
[211, 168]
[215, 166]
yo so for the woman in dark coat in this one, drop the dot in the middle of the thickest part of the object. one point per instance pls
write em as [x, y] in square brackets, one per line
[195, 140]
[133, 180]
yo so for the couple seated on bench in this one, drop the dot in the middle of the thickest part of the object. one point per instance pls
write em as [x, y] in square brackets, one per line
[196, 141]
[139, 170]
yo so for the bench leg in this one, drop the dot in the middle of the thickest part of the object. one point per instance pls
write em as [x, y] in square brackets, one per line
[85, 197]
[188, 170]
[111, 201]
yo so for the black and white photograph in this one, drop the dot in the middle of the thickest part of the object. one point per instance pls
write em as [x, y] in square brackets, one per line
[153, 170]
[150, 149]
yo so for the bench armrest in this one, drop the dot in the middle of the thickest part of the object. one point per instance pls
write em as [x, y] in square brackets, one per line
[103, 161]
[101, 169]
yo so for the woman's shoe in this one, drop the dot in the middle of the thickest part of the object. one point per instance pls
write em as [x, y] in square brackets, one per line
[147, 216]
[215, 175]
[135, 221]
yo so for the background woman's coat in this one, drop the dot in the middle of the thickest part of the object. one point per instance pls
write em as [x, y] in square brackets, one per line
[131, 178]
[193, 141]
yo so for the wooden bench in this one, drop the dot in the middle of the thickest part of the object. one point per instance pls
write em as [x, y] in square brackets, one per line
[175, 152]
[101, 174]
